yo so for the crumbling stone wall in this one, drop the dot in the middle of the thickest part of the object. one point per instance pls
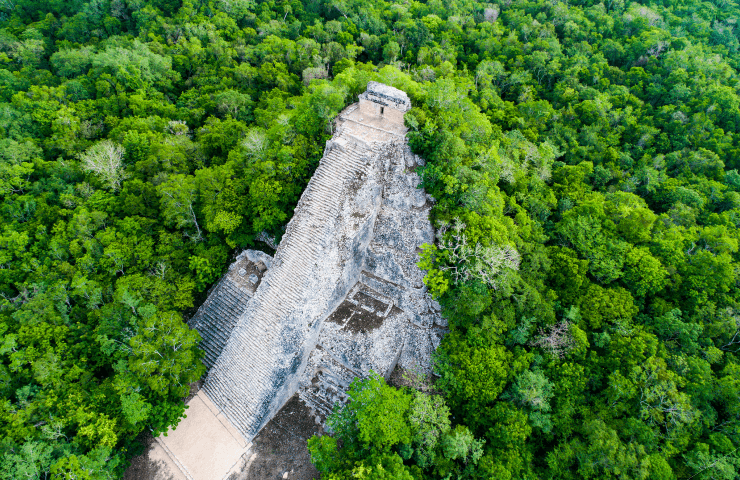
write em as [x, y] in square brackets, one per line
[343, 295]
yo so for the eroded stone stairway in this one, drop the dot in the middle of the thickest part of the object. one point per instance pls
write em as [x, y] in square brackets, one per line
[258, 356]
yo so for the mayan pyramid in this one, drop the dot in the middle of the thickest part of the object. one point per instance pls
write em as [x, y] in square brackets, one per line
[342, 295]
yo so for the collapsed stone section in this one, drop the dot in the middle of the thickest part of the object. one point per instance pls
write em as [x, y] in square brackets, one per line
[343, 295]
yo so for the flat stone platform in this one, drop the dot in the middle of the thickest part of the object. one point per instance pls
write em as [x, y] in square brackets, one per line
[218, 451]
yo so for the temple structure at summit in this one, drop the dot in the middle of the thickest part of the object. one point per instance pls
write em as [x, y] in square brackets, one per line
[342, 296]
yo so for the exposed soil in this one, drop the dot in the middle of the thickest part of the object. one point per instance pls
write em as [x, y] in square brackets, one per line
[194, 389]
[342, 313]
[282, 446]
[415, 380]
[397, 379]
[363, 321]
[142, 468]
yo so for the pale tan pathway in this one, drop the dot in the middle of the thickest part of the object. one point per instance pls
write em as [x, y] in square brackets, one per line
[219, 450]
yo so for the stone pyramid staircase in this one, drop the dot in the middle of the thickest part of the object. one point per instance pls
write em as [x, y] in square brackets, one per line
[242, 382]
[217, 317]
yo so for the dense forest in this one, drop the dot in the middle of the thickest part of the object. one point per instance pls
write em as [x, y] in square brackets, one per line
[584, 158]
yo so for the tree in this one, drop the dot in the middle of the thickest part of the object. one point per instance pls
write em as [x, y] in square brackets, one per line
[379, 412]
[534, 391]
[490, 265]
[316, 111]
[32, 460]
[589, 150]
[558, 340]
[134, 66]
[473, 375]
[379, 466]
[391, 51]
[72, 62]
[234, 103]
[429, 419]
[459, 443]
[16, 165]
[177, 197]
[644, 274]
[567, 273]
[105, 159]
[373, 420]
[600, 305]
[164, 352]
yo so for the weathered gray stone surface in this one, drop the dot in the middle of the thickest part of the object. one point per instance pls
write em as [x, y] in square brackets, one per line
[387, 318]
[227, 301]
[343, 294]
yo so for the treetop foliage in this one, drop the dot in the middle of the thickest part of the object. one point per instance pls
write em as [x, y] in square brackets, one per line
[586, 153]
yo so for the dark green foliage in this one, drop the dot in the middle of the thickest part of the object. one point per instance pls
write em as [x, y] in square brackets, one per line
[381, 427]
[595, 146]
